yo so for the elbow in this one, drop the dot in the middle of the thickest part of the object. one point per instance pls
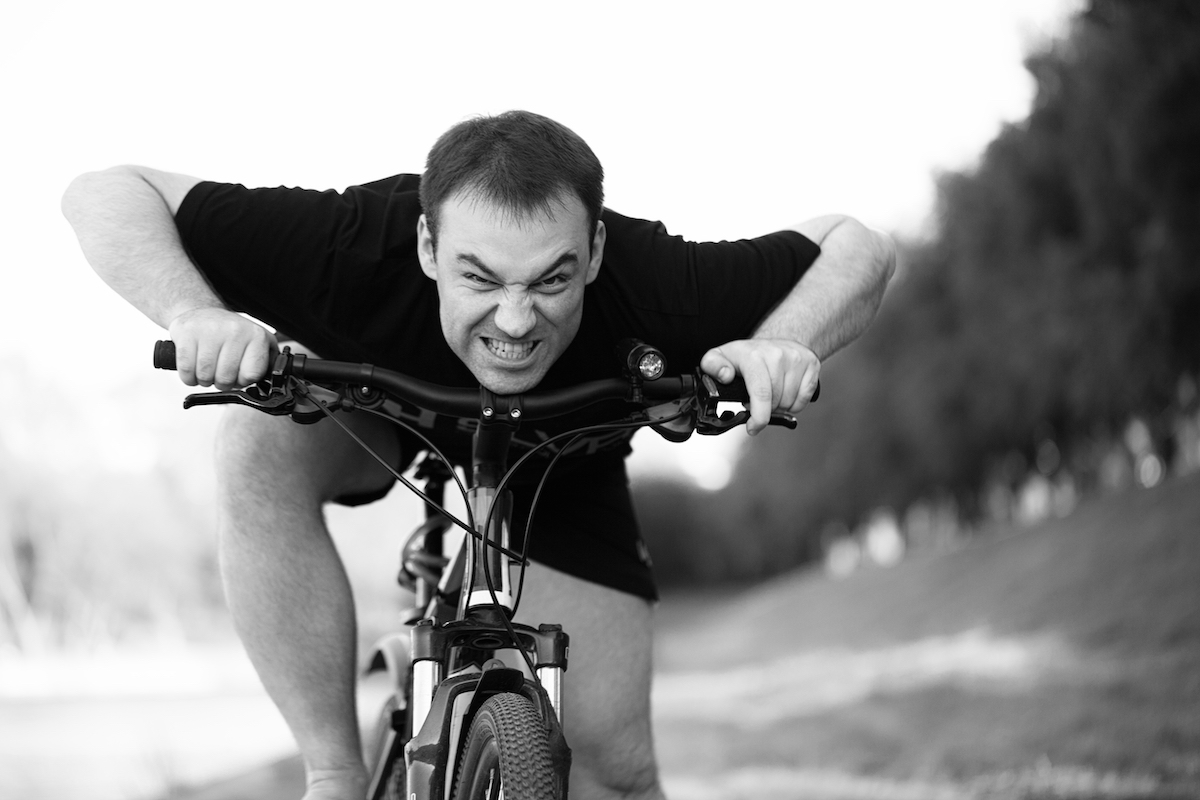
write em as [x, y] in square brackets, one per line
[86, 189]
[876, 250]
[865, 255]
[885, 248]
[81, 191]
[73, 197]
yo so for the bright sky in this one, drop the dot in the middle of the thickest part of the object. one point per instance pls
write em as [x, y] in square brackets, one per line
[723, 120]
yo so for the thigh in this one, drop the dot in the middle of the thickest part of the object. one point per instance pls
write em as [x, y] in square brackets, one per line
[606, 704]
[258, 453]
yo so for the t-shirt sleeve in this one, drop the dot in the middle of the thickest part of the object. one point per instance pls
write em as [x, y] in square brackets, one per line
[686, 297]
[331, 269]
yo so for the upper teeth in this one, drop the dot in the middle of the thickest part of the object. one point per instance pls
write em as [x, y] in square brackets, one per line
[510, 350]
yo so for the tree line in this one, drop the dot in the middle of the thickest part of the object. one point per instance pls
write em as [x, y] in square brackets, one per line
[1057, 299]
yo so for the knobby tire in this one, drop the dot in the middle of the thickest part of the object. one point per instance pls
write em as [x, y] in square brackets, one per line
[507, 749]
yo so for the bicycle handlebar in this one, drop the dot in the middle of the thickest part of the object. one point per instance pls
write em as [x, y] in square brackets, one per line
[465, 402]
[458, 402]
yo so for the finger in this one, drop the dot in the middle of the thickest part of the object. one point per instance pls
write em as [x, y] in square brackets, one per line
[228, 365]
[799, 383]
[812, 378]
[185, 352]
[760, 388]
[207, 355]
[256, 360]
[791, 398]
[716, 364]
[185, 357]
[185, 360]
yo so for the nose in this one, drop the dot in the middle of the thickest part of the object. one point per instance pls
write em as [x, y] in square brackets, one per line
[514, 315]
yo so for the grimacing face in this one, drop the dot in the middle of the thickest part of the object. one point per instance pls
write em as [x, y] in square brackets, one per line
[510, 290]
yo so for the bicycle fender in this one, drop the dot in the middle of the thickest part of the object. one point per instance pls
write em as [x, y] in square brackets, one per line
[425, 755]
[493, 681]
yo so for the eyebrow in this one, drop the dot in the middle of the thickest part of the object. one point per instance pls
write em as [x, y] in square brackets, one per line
[564, 259]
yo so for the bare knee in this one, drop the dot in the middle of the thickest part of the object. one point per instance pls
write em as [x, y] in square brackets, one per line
[607, 702]
[261, 458]
[619, 768]
[612, 746]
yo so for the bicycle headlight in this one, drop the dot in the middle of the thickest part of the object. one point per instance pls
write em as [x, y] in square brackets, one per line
[651, 366]
[641, 360]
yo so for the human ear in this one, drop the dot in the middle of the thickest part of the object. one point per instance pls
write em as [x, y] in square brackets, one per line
[425, 249]
[597, 257]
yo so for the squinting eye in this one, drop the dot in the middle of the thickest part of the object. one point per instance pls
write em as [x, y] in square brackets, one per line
[555, 282]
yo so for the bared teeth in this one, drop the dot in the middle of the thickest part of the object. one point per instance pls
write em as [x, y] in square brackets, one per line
[511, 351]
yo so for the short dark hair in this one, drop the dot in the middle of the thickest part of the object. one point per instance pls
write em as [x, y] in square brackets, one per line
[520, 161]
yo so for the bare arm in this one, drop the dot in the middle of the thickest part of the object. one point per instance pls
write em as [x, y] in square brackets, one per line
[830, 306]
[124, 218]
[835, 300]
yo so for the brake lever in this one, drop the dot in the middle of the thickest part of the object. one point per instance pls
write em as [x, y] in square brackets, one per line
[275, 400]
[709, 423]
[273, 395]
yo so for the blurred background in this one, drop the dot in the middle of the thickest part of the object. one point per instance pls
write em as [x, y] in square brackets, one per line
[971, 573]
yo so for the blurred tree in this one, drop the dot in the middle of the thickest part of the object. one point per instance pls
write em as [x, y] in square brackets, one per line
[1059, 297]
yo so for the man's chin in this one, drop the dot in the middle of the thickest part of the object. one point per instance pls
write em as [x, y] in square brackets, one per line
[502, 382]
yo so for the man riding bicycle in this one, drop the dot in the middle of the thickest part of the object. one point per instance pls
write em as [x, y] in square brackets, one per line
[498, 266]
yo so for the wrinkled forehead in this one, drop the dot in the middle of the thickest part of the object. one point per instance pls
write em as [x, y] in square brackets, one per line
[512, 247]
[561, 208]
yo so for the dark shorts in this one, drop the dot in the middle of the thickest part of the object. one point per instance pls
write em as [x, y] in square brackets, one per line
[584, 524]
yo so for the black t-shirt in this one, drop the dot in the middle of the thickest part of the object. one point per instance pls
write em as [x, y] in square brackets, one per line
[339, 273]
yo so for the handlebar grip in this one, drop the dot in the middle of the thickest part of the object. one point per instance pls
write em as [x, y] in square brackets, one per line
[164, 354]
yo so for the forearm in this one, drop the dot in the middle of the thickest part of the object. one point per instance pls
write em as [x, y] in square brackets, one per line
[126, 228]
[836, 299]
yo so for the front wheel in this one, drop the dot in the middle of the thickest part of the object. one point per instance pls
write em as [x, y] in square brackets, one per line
[507, 755]
[393, 772]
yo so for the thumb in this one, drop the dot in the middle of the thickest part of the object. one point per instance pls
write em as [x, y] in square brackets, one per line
[716, 364]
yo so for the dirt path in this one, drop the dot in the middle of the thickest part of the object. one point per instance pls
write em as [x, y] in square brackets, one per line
[1057, 661]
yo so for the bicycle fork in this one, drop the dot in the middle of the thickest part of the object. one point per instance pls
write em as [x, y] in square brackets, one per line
[444, 707]
[455, 668]
[484, 582]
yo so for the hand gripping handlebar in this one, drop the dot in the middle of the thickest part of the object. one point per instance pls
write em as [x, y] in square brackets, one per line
[274, 396]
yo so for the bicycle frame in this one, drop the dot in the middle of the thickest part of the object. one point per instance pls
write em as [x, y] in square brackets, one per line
[445, 690]
[452, 672]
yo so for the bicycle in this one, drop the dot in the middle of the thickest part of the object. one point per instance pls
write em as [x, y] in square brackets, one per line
[461, 721]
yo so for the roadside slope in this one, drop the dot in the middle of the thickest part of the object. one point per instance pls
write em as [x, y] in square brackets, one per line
[1061, 654]
[1123, 571]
